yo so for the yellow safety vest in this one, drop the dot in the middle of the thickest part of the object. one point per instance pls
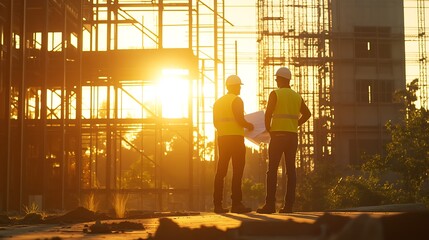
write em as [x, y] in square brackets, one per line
[287, 111]
[224, 117]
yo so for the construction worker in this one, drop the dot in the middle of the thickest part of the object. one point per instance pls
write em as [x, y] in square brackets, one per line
[286, 110]
[228, 119]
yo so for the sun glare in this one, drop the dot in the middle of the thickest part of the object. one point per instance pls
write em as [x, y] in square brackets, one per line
[168, 97]
[173, 93]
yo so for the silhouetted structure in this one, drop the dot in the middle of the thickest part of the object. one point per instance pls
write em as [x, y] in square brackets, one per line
[76, 78]
[71, 77]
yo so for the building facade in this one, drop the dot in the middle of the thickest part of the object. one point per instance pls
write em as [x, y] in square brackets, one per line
[368, 46]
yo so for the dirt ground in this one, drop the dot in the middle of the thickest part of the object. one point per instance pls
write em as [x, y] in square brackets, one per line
[383, 222]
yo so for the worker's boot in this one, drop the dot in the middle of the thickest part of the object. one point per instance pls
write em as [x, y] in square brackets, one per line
[240, 208]
[267, 209]
[219, 209]
[286, 209]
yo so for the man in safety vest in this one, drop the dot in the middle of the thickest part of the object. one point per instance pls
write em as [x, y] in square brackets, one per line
[286, 110]
[228, 119]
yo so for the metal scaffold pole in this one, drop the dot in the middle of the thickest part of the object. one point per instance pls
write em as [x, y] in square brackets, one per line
[422, 41]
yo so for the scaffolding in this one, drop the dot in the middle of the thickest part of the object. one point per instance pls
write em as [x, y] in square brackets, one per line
[296, 34]
[81, 106]
[321, 44]
[422, 42]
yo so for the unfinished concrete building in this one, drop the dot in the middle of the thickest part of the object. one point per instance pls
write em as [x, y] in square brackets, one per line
[347, 59]
[368, 46]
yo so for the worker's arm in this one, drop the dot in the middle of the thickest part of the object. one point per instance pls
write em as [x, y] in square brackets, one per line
[272, 100]
[305, 113]
[238, 111]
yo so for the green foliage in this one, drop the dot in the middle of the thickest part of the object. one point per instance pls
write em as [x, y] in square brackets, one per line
[253, 193]
[138, 162]
[408, 152]
[136, 176]
[402, 174]
[312, 187]
[407, 155]
[353, 191]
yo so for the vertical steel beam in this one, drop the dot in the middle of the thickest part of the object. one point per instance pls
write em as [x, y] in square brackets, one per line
[422, 41]
[160, 23]
[79, 103]
[215, 49]
[21, 103]
[64, 101]
[43, 88]
[8, 103]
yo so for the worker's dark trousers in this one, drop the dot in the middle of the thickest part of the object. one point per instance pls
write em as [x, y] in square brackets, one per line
[282, 143]
[230, 147]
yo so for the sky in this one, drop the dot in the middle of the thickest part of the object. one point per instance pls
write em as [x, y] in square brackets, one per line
[244, 32]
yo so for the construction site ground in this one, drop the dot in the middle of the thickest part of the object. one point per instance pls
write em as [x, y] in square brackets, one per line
[371, 223]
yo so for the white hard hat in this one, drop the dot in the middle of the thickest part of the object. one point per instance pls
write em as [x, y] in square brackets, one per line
[284, 72]
[233, 80]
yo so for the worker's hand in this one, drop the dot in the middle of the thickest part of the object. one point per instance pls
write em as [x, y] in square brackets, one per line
[250, 127]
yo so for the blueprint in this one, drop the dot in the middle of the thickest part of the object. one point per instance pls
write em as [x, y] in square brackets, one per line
[259, 134]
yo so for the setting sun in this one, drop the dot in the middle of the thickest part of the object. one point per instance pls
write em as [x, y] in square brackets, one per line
[173, 93]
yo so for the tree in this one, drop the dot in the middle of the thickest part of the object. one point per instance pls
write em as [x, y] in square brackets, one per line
[407, 155]
[403, 172]
[401, 175]
[137, 161]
